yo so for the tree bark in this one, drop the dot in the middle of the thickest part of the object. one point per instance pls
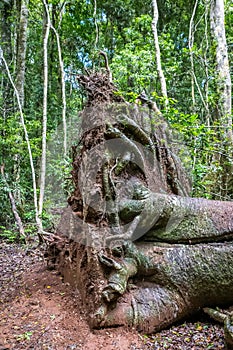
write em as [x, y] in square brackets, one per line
[175, 219]
[171, 283]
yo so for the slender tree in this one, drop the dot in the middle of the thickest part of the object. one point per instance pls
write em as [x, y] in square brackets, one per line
[47, 26]
[21, 50]
[21, 47]
[63, 91]
[157, 50]
[194, 81]
[217, 25]
[6, 44]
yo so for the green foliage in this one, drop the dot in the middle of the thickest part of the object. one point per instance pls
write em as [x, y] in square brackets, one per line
[207, 156]
[10, 235]
[24, 336]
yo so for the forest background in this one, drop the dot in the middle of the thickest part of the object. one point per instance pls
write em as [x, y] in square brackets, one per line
[177, 53]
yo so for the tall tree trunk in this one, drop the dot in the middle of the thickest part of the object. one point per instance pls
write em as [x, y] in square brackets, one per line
[20, 78]
[221, 183]
[6, 45]
[21, 50]
[157, 51]
[224, 106]
[47, 25]
[191, 41]
[63, 91]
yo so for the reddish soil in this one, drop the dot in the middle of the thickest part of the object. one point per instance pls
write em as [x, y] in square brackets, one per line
[39, 311]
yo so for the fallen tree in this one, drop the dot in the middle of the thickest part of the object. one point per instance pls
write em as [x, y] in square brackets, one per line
[141, 251]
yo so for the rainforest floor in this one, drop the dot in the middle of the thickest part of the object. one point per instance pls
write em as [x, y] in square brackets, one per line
[39, 311]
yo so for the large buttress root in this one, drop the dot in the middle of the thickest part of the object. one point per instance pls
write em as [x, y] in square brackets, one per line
[170, 282]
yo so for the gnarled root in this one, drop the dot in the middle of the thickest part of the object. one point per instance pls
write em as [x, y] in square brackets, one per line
[227, 319]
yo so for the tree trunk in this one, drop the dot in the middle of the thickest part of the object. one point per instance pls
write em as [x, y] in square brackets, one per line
[222, 66]
[157, 51]
[142, 253]
[21, 51]
[222, 184]
[20, 80]
[63, 91]
[47, 25]
[168, 283]
[6, 46]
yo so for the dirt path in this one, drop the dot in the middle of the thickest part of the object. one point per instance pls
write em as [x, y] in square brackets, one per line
[39, 311]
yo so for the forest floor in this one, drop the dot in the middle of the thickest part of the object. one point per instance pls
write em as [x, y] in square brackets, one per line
[39, 311]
